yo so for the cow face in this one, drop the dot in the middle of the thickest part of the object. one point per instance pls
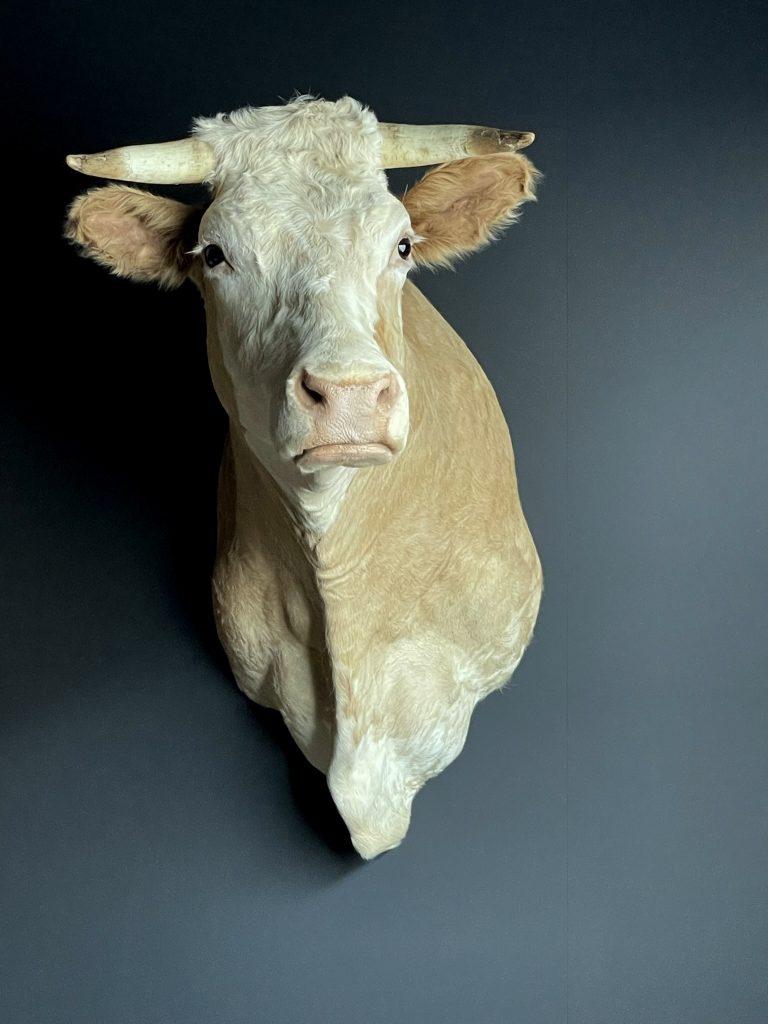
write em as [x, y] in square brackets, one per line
[301, 257]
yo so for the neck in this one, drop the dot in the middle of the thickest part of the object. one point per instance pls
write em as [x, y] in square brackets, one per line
[312, 501]
[315, 499]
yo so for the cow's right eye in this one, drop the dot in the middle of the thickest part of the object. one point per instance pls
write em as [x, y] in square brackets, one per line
[213, 255]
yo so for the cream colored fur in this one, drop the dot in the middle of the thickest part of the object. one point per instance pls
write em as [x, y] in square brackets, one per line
[376, 641]
[373, 607]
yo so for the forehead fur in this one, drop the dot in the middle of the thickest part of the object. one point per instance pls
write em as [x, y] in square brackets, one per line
[301, 187]
[267, 143]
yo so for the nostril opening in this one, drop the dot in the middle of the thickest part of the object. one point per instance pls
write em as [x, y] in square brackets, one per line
[314, 396]
[308, 396]
[388, 394]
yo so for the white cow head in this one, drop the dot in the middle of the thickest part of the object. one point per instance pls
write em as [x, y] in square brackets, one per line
[301, 257]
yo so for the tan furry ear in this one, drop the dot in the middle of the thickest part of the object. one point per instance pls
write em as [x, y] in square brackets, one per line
[135, 234]
[461, 206]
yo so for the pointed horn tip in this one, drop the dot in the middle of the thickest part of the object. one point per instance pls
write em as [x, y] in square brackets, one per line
[485, 141]
[515, 140]
[90, 163]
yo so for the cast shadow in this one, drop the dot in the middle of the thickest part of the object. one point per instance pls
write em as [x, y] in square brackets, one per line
[308, 787]
[113, 389]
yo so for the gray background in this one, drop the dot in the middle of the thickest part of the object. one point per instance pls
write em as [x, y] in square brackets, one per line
[597, 854]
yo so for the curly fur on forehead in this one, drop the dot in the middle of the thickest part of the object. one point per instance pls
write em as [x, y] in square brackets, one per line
[341, 137]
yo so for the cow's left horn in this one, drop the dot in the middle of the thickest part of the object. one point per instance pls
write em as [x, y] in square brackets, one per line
[416, 145]
[164, 163]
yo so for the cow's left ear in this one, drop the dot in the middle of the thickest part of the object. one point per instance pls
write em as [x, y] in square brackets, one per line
[461, 206]
[135, 234]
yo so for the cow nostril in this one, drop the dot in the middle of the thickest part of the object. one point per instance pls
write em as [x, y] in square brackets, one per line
[309, 396]
[387, 396]
[314, 396]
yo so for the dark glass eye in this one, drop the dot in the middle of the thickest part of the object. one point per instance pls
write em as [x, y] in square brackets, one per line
[213, 255]
[404, 247]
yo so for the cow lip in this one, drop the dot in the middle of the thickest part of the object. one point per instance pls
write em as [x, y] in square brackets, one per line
[345, 454]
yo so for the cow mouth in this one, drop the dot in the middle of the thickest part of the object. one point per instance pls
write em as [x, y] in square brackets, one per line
[351, 454]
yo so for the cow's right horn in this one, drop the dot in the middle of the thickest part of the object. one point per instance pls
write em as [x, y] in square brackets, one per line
[184, 162]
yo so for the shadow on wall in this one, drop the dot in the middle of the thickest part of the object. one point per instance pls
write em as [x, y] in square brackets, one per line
[113, 386]
[309, 790]
[116, 436]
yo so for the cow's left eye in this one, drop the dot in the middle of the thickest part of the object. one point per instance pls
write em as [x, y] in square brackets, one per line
[404, 248]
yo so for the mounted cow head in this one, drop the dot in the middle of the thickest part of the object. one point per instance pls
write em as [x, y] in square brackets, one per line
[301, 257]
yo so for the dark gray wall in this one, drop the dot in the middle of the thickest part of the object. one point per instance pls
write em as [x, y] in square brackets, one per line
[597, 854]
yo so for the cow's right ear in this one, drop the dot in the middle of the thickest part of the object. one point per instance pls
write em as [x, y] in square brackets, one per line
[135, 234]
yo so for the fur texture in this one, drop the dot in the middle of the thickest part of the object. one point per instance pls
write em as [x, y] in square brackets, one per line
[462, 206]
[135, 234]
